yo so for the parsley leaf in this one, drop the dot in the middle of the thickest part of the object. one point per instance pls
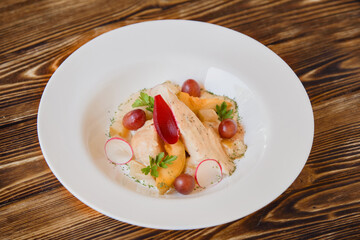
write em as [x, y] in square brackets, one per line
[158, 161]
[154, 171]
[144, 100]
[222, 112]
[146, 170]
[167, 160]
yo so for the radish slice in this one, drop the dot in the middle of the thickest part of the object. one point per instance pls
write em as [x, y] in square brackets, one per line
[164, 121]
[208, 172]
[118, 151]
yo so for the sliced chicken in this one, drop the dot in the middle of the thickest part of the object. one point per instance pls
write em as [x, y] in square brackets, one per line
[146, 142]
[234, 147]
[208, 115]
[174, 88]
[200, 142]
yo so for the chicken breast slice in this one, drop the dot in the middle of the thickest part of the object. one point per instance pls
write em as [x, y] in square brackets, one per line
[200, 142]
[146, 142]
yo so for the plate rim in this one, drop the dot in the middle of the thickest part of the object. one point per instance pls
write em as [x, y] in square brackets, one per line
[140, 223]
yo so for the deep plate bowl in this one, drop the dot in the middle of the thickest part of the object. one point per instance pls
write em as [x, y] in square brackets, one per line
[86, 89]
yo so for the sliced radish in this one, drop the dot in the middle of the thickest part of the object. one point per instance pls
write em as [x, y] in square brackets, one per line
[164, 121]
[118, 151]
[208, 172]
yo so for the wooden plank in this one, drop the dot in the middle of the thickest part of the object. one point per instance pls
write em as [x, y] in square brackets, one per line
[320, 40]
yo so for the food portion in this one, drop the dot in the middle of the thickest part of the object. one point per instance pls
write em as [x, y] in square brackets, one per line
[146, 143]
[168, 174]
[184, 184]
[191, 87]
[165, 122]
[180, 138]
[134, 119]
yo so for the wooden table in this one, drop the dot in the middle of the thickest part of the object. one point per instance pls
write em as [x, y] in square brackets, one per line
[320, 40]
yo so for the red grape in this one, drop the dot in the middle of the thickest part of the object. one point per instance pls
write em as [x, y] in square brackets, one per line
[184, 184]
[227, 128]
[191, 87]
[134, 119]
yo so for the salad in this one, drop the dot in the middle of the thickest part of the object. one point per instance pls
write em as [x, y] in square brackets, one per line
[173, 137]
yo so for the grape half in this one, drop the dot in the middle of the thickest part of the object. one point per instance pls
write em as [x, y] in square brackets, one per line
[134, 119]
[191, 87]
[227, 128]
[184, 184]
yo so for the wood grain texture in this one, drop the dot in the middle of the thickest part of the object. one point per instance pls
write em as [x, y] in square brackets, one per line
[320, 40]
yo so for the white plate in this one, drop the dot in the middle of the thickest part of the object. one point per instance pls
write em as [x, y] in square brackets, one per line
[85, 90]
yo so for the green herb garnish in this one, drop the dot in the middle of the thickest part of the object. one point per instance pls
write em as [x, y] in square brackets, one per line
[158, 161]
[112, 120]
[144, 100]
[222, 112]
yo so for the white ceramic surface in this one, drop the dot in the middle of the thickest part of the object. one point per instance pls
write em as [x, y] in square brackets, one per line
[84, 92]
